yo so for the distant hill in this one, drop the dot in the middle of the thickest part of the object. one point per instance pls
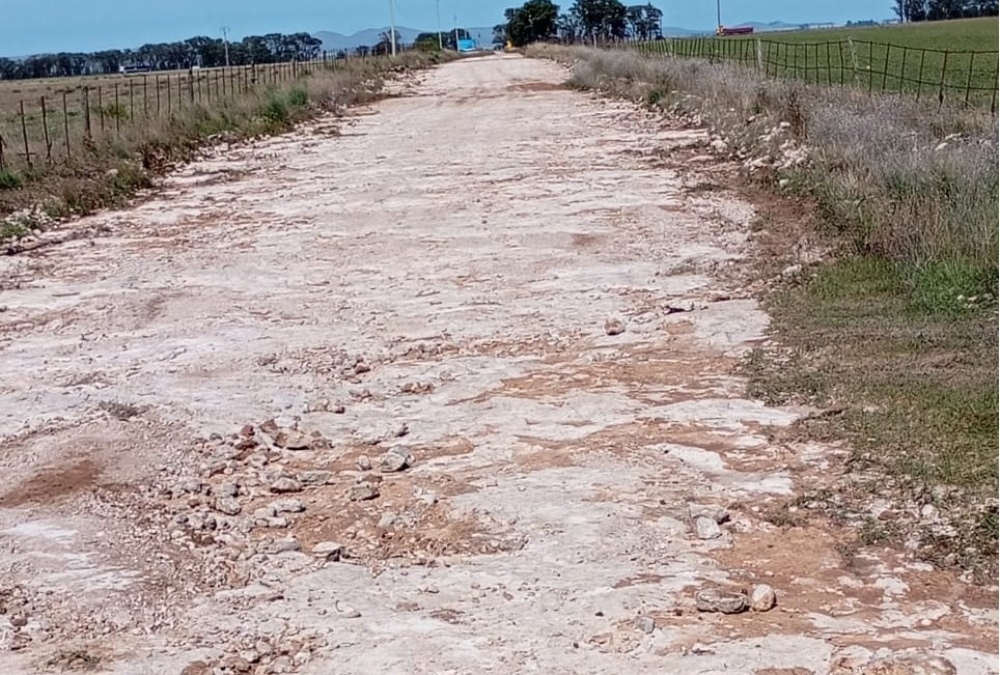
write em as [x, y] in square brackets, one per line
[333, 41]
[675, 31]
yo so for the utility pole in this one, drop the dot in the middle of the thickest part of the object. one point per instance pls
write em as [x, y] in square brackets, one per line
[225, 39]
[718, 13]
[440, 39]
[454, 18]
[392, 24]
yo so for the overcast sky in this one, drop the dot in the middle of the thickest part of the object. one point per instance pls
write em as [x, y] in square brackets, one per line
[75, 25]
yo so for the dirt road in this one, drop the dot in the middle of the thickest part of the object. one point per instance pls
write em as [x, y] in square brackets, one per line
[438, 393]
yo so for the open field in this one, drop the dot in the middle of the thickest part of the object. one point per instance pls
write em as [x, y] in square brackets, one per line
[60, 113]
[340, 402]
[953, 62]
[976, 35]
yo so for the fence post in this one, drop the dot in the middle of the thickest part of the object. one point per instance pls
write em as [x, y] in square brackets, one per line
[66, 124]
[902, 72]
[145, 96]
[968, 82]
[45, 130]
[885, 69]
[944, 72]
[854, 59]
[170, 109]
[871, 66]
[86, 115]
[100, 106]
[993, 99]
[24, 135]
[131, 99]
[118, 112]
[829, 73]
[760, 55]
[156, 84]
[920, 77]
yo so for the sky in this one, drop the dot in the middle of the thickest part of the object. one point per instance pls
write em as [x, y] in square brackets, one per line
[75, 26]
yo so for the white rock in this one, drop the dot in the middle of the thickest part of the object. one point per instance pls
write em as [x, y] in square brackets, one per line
[762, 598]
[707, 528]
[286, 484]
[716, 513]
[395, 459]
[228, 505]
[328, 550]
[725, 602]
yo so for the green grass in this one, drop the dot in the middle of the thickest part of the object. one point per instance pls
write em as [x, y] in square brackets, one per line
[908, 59]
[916, 383]
[960, 34]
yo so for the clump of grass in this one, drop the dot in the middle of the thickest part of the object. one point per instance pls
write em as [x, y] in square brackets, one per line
[10, 180]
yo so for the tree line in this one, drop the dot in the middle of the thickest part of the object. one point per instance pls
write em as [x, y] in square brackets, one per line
[205, 52]
[937, 10]
[586, 20]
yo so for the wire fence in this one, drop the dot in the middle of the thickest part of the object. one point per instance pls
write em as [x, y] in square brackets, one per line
[44, 122]
[966, 78]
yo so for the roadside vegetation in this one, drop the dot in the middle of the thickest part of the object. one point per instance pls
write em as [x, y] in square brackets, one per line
[893, 329]
[115, 167]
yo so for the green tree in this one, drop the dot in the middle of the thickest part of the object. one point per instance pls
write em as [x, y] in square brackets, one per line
[644, 21]
[500, 36]
[535, 20]
[600, 19]
[428, 42]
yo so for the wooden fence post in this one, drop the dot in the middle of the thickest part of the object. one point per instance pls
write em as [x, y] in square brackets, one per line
[944, 73]
[24, 136]
[885, 69]
[920, 77]
[854, 59]
[87, 133]
[100, 106]
[118, 112]
[45, 130]
[66, 124]
[968, 82]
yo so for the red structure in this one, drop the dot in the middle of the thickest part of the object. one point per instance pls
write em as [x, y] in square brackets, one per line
[722, 31]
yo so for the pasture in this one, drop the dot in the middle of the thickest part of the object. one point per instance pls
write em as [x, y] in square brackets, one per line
[954, 62]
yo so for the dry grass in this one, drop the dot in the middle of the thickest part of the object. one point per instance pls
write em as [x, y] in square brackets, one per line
[898, 330]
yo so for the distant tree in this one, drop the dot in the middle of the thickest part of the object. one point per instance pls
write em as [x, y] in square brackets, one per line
[428, 42]
[569, 28]
[534, 21]
[600, 19]
[500, 35]
[199, 50]
[644, 21]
